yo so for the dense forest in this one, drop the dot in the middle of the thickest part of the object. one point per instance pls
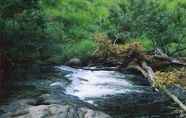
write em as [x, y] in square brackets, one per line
[53, 31]
[146, 35]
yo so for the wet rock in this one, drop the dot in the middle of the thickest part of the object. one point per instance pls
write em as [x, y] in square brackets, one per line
[111, 91]
[16, 105]
[74, 62]
[132, 102]
[55, 111]
[83, 93]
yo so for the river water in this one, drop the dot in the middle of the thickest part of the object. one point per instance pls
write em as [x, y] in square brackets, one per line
[87, 84]
[118, 94]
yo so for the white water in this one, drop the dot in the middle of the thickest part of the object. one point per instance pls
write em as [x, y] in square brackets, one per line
[94, 84]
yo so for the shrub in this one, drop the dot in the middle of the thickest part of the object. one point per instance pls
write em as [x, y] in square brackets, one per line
[22, 28]
[78, 19]
[162, 27]
[106, 49]
[82, 49]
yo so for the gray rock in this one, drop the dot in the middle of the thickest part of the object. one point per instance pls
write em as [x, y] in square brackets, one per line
[17, 105]
[74, 62]
[56, 111]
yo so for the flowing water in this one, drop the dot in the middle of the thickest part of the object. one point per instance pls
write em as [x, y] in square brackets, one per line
[118, 94]
[113, 92]
[87, 84]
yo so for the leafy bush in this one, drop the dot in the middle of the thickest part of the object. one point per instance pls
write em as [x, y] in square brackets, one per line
[22, 25]
[78, 19]
[61, 29]
[72, 23]
[82, 49]
[162, 27]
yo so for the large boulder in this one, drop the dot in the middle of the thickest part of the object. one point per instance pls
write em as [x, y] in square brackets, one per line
[55, 111]
[47, 107]
[74, 62]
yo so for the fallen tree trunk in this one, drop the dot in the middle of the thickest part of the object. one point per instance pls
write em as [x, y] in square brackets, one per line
[169, 60]
[133, 56]
[151, 75]
[175, 99]
[160, 58]
[149, 72]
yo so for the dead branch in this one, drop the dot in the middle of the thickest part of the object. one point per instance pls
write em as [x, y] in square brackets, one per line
[150, 76]
[175, 99]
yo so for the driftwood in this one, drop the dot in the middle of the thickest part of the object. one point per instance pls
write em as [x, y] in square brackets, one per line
[161, 56]
[146, 64]
[148, 72]
[169, 60]
[175, 99]
[138, 68]
[138, 62]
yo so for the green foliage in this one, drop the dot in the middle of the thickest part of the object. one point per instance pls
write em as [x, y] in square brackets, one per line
[161, 22]
[21, 24]
[62, 29]
[72, 23]
[23, 27]
[81, 49]
[79, 18]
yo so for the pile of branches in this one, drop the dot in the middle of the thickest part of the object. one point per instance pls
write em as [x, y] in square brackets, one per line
[117, 54]
[153, 66]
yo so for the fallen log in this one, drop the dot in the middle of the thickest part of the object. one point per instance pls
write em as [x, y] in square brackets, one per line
[165, 59]
[169, 60]
[134, 54]
[138, 69]
[149, 72]
[175, 99]
[151, 75]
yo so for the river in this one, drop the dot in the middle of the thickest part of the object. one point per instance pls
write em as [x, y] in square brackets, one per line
[118, 94]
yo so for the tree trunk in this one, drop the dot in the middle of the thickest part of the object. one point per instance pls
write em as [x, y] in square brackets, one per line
[175, 99]
[4, 69]
[150, 76]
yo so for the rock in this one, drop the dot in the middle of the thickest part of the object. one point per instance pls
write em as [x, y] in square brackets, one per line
[56, 111]
[74, 62]
[131, 102]
[16, 105]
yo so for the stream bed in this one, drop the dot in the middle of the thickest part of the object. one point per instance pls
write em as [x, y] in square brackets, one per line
[117, 94]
